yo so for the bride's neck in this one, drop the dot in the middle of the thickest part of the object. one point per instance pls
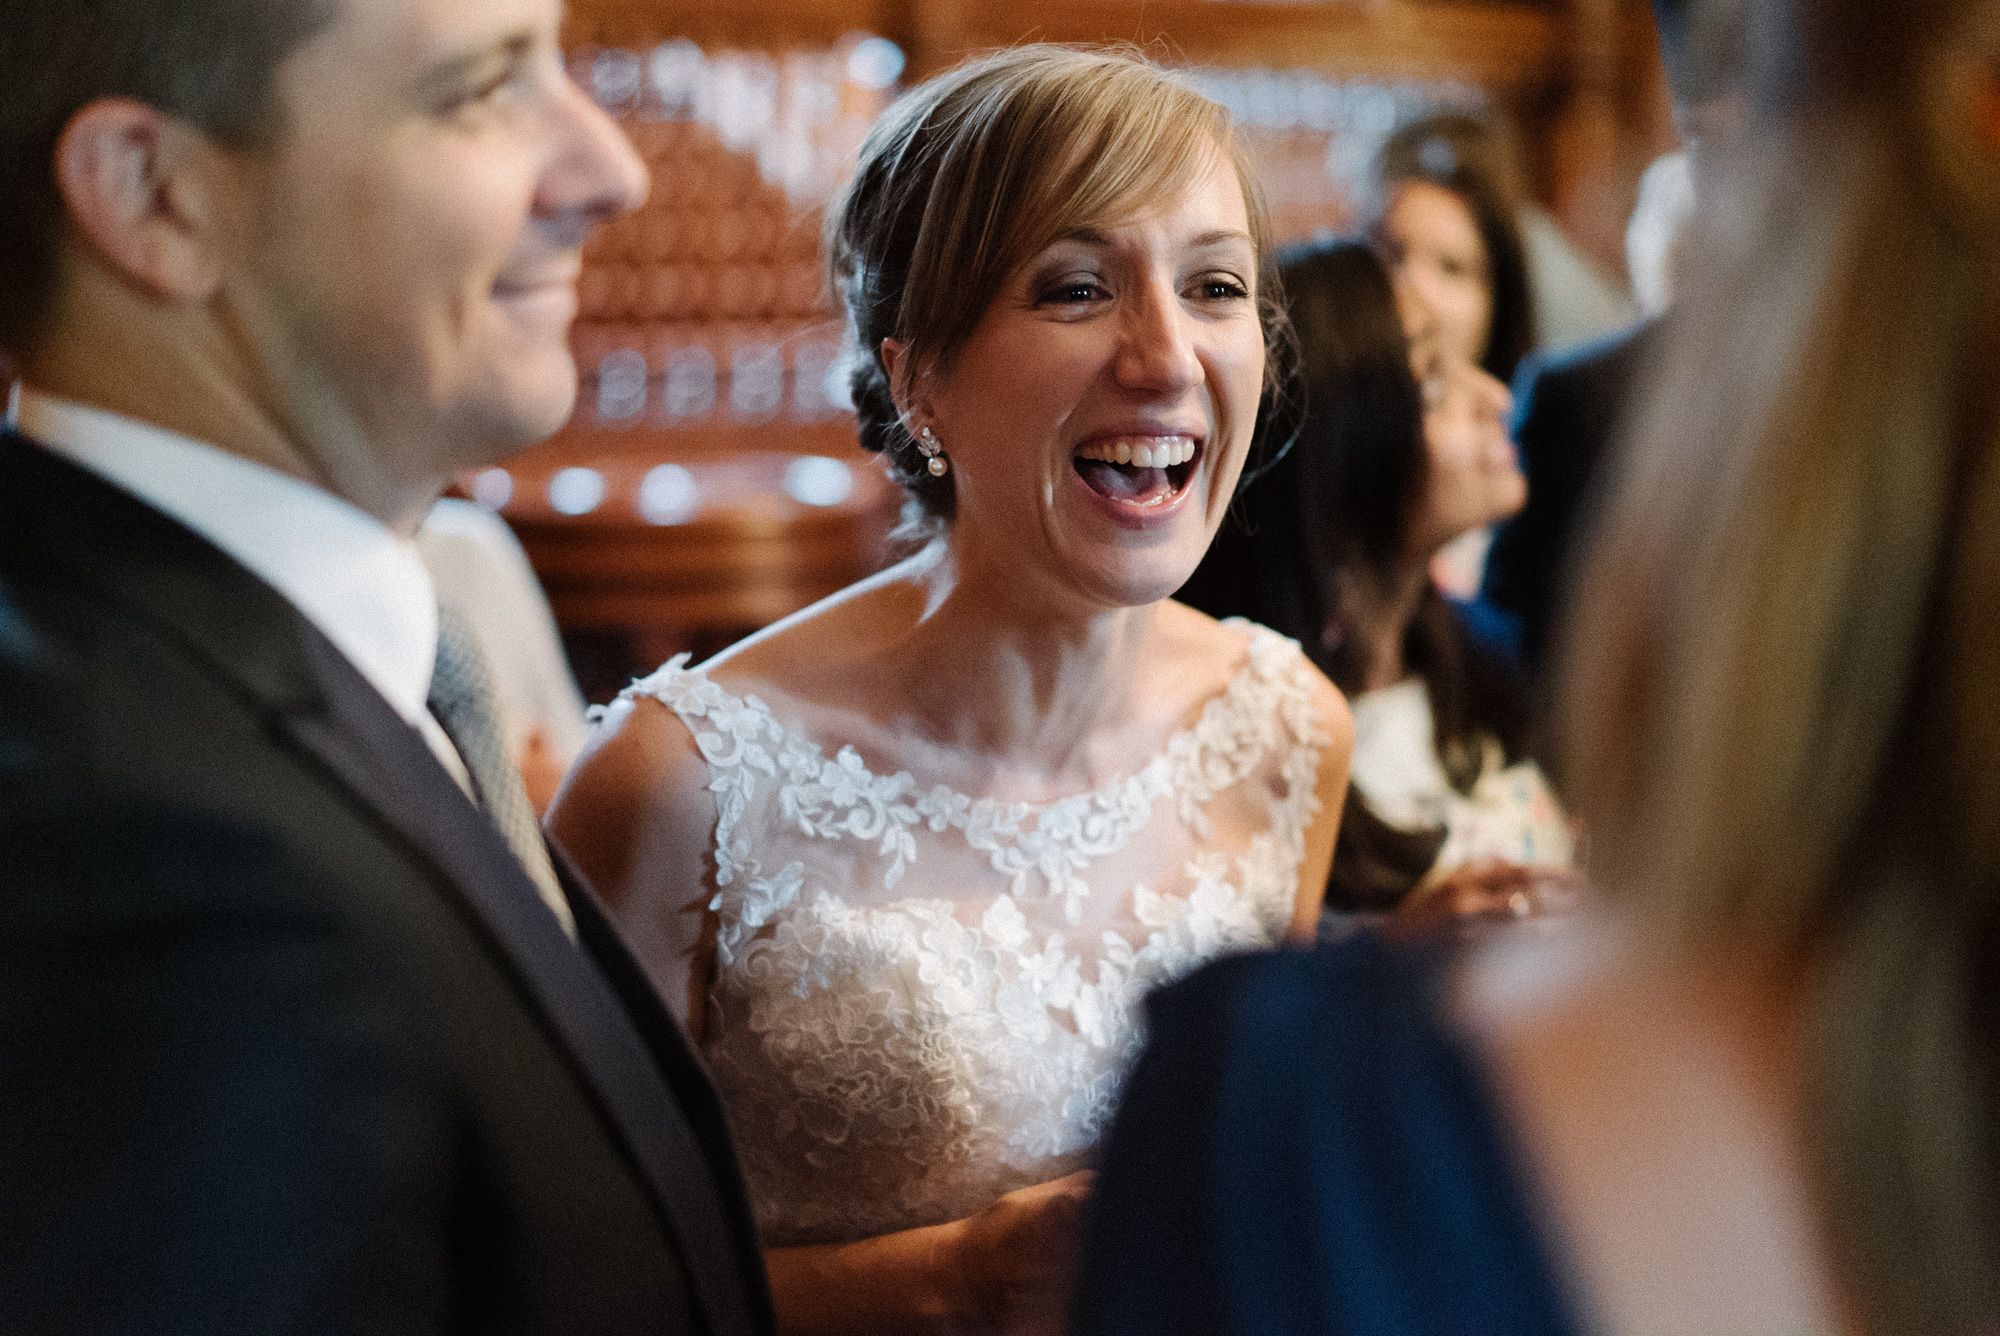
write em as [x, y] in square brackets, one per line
[1014, 676]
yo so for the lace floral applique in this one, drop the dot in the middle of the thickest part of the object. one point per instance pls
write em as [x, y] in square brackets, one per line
[914, 1051]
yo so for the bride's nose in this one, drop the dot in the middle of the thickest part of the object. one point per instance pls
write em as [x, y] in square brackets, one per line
[1156, 350]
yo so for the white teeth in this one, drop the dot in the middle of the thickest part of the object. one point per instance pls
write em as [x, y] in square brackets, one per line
[1166, 454]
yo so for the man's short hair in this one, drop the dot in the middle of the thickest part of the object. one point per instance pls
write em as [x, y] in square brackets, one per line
[210, 63]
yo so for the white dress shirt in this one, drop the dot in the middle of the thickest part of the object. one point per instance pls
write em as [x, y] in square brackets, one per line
[479, 568]
[365, 589]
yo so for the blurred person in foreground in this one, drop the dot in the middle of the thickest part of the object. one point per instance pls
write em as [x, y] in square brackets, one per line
[301, 1027]
[1756, 1091]
[1573, 403]
[1400, 451]
[1656, 233]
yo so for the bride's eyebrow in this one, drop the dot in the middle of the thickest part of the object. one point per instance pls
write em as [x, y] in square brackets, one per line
[1063, 253]
[1088, 238]
[1221, 236]
[1097, 240]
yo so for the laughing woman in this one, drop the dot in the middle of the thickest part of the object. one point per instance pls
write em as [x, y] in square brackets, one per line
[910, 858]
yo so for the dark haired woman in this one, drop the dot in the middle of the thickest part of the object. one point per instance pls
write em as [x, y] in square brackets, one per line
[1400, 451]
[910, 858]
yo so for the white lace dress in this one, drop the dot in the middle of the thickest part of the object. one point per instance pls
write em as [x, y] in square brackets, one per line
[922, 1000]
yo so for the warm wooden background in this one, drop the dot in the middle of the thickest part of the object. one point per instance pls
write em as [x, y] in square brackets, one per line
[673, 512]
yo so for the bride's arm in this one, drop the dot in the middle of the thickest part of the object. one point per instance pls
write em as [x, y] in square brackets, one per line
[635, 815]
[1331, 790]
[1008, 1266]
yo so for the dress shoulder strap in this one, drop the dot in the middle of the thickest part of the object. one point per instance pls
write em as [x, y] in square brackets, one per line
[1268, 712]
[744, 745]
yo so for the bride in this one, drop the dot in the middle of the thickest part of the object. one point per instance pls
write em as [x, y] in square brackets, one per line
[910, 859]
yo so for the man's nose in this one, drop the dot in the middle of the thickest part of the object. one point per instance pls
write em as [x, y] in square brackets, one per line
[596, 175]
[1419, 320]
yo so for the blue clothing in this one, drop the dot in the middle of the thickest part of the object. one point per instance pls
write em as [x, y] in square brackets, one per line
[1306, 1147]
[1570, 410]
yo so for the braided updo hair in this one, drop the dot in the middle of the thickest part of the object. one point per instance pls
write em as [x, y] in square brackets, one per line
[970, 175]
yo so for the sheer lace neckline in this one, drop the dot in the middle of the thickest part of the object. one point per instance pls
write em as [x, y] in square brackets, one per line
[1181, 743]
[1049, 844]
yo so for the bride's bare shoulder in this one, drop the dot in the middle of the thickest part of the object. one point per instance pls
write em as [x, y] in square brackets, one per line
[797, 655]
[1214, 652]
[1198, 643]
[639, 795]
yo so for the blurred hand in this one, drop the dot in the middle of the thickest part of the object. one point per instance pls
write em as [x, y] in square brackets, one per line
[1018, 1255]
[1491, 889]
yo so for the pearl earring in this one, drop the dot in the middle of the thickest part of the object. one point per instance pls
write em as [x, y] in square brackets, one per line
[933, 453]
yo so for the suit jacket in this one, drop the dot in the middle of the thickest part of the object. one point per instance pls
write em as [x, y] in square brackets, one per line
[288, 1043]
[1569, 409]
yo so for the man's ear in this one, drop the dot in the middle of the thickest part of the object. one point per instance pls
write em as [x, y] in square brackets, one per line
[138, 187]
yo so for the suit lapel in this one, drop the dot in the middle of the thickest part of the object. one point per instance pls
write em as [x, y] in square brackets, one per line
[318, 703]
[381, 762]
[694, 1094]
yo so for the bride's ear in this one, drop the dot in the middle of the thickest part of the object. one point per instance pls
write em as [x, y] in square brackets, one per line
[900, 365]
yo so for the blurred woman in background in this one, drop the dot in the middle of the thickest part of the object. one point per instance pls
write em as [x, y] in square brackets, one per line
[1756, 1091]
[1447, 198]
[1446, 195]
[1401, 450]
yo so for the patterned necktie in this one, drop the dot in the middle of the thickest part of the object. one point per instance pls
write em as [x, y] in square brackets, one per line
[462, 700]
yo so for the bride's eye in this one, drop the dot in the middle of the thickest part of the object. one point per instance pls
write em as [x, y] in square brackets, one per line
[1219, 288]
[1073, 290]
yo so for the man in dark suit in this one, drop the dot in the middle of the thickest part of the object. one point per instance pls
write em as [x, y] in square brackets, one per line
[1571, 405]
[292, 1038]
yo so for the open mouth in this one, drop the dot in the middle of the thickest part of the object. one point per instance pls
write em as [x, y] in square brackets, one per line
[1142, 472]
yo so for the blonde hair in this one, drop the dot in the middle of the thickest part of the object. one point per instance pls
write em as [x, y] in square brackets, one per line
[1782, 715]
[967, 177]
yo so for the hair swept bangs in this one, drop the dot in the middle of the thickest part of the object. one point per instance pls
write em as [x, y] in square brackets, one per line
[1045, 141]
